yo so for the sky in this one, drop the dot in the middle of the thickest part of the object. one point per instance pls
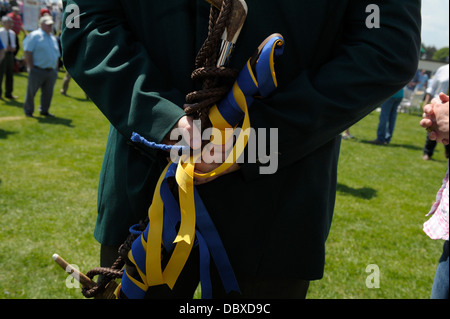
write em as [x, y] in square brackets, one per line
[435, 23]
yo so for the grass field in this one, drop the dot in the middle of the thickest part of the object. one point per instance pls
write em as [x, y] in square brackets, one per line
[48, 189]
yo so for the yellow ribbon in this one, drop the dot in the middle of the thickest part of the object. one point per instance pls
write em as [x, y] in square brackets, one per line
[185, 176]
[154, 239]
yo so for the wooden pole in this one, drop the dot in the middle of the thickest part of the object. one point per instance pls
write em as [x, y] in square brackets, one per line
[82, 278]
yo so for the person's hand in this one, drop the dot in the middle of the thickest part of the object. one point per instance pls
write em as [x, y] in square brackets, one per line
[435, 119]
[211, 157]
[209, 167]
[189, 132]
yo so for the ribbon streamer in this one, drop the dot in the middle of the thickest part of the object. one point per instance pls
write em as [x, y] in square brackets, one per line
[175, 227]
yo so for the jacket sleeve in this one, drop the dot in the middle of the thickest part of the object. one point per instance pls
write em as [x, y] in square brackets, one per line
[367, 67]
[116, 71]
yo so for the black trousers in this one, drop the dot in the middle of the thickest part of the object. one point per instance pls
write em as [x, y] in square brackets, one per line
[7, 71]
[429, 147]
[252, 287]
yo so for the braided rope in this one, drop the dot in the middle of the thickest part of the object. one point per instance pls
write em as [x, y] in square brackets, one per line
[216, 81]
[116, 270]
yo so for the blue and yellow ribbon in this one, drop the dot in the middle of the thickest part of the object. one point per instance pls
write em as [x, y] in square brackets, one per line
[196, 228]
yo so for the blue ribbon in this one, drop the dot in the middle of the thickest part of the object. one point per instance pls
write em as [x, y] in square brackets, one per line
[228, 107]
[206, 239]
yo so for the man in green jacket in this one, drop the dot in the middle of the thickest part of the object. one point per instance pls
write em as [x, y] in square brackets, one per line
[342, 58]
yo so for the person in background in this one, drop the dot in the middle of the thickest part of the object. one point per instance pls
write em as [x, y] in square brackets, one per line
[422, 81]
[346, 135]
[45, 11]
[8, 37]
[17, 25]
[411, 86]
[436, 119]
[4, 8]
[42, 57]
[65, 85]
[388, 117]
[2, 51]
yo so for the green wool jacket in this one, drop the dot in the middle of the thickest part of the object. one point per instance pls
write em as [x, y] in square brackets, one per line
[134, 59]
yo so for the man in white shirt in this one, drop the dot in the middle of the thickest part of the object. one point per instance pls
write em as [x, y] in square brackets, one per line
[8, 37]
[42, 56]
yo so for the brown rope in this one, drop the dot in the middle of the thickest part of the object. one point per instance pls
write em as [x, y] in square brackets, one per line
[116, 270]
[108, 275]
[216, 81]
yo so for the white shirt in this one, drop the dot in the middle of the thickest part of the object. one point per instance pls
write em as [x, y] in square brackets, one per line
[4, 38]
[439, 83]
[44, 47]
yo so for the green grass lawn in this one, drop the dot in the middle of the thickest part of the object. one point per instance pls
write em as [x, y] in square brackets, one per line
[48, 189]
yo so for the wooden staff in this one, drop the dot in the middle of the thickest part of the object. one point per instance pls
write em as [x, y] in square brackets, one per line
[82, 278]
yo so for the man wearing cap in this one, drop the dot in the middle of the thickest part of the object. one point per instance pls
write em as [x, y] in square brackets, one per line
[42, 56]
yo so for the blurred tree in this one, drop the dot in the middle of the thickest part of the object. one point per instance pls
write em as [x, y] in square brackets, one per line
[430, 50]
[441, 54]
